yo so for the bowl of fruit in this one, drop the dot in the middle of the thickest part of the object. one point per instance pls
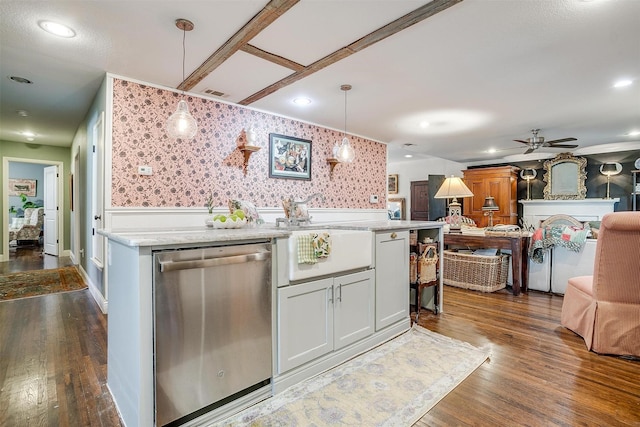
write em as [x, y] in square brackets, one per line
[234, 220]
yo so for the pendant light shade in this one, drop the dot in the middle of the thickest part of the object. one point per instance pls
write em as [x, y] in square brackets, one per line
[345, 152]
[181, 124]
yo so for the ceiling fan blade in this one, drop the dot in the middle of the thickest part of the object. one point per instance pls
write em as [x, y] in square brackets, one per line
[530, 150]
[519, 140]
[563, 146]
[555, 141]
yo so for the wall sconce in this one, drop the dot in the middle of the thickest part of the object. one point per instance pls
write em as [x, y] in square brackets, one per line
[454, 187]
[249, 148]
[609, 169]
[489, 208]
[181, 124]
[332, 164]
[528, 175]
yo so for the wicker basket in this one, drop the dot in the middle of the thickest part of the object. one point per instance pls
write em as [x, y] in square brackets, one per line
[427, 265]
[477, 272]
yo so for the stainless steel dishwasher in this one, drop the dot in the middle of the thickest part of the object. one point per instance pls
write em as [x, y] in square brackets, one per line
[212, 332]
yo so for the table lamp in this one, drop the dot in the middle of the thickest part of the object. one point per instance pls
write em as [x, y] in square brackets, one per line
[609, 169]
[528, 175]
[452, 188]
[489, 207]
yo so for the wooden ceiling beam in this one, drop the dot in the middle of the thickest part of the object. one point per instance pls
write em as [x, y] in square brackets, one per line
[411, 18]
[276, 59]
[272, 11]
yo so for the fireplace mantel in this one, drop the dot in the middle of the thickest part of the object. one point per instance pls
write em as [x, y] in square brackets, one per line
[534, 211]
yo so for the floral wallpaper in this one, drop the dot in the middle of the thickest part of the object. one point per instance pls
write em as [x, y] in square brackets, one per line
[187, 173]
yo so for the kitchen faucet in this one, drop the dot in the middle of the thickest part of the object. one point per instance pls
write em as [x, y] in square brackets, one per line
[293, 207]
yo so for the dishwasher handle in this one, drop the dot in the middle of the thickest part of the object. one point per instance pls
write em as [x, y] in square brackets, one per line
[212, 262]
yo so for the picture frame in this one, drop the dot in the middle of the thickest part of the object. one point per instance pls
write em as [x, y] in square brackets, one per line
[18, 186]
[393, 184]
[395, 208]
[289, 157]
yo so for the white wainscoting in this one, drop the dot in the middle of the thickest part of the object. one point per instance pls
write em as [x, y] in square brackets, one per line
[171, 218]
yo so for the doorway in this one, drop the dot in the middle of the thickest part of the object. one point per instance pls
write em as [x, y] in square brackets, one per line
[33, 257]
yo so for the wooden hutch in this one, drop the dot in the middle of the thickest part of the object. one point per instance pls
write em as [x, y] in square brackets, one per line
[499, 182]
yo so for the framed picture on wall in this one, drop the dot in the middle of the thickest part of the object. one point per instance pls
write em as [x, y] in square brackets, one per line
[289, 157]
[22, 186]
[393, 184]
[395, 208]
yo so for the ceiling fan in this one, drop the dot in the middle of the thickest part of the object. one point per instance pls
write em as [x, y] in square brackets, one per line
[536, 142]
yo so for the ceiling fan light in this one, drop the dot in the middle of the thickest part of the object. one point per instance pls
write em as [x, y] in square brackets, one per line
[181, 124]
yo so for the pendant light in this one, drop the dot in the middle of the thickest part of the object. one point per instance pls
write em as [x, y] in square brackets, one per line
[181, 124]
[345, 152]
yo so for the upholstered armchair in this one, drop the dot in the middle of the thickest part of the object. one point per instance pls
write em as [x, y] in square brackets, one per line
[31, 226]
[605, 308]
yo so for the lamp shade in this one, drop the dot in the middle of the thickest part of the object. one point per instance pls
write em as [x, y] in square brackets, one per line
[181, 124]
[490, 204]
[610, 169]
[528, 174]
[453, 187]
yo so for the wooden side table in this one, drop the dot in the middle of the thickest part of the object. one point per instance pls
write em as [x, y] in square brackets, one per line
[419, 287]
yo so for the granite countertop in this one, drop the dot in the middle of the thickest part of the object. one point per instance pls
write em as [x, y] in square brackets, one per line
[179, 236]
[190, 235]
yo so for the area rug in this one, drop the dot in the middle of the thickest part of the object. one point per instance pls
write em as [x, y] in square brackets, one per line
[39, 282]
[394, 384]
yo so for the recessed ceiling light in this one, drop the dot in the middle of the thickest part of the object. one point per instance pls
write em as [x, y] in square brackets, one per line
[30, 138]
[424, 124]
[57, 29]
[302, 101]
[28, 134]
[408, 156]
[19, 79]
[623, 83]
[634, 133]
[22, 113]
[491, 150]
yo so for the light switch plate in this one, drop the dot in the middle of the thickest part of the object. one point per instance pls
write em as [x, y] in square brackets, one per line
[145, 170]
[373, 198]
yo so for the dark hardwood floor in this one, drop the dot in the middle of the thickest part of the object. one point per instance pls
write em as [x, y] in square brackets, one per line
[53, 365]
[539, 374]
[31, 257]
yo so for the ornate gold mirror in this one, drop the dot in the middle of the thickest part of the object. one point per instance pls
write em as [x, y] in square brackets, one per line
[565, 176]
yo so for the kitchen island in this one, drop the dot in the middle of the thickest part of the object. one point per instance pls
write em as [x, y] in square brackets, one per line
[380, 290]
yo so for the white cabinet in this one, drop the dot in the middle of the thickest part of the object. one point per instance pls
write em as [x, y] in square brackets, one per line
[392, 277]
[317, 317]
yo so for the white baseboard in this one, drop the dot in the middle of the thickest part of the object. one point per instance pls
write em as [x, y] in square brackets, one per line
[95, 292]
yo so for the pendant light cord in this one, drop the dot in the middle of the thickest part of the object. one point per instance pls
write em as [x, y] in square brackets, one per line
[345, 113]
[184, 53]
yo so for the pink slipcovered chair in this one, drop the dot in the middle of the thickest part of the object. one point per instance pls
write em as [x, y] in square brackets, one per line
[604, 309]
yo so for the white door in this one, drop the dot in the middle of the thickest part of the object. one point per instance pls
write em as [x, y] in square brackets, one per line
[51, 210]
[353, 307]
[97, 254]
